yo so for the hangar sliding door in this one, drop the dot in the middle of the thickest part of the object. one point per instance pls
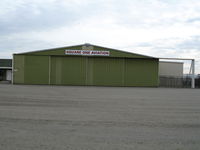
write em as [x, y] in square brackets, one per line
[102, 71]
[36, 70]
[73, 70]
[68, 70]
[105, 71]
[141, 72]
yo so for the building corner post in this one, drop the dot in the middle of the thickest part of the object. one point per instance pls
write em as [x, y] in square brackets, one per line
[12, 80]
[49, 70]
[193, 74]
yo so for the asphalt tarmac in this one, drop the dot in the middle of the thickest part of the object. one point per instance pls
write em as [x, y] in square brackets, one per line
[34, 117]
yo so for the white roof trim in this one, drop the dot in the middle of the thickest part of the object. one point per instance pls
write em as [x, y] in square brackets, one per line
[5, 67]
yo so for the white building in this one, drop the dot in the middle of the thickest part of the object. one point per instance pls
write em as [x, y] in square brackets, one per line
[167, 68]
[5, 69]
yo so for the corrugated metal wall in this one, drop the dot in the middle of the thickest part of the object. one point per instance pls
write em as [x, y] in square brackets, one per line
[18, 76]
[68, 71]
[79, 70]
[36, 69]
[106, 71]
[141, 72]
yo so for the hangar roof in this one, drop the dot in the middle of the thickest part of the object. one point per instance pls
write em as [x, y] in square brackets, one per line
[86, 50]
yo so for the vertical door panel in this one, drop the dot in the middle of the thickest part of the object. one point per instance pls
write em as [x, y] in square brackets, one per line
[36, 69]
[8, 75]
[141, 72]
[105, 71]
[18, 69]
[68, 70]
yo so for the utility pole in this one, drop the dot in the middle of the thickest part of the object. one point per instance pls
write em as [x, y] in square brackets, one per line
[193, 74]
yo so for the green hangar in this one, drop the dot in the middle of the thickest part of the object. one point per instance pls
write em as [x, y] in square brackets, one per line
[85, 65]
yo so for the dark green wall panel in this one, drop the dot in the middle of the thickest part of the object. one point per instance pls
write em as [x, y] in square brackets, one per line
[18, 69]
[36, 69]
[56, 70]
[68, 70]
[141, 72]
[5, 62]
[106, 71]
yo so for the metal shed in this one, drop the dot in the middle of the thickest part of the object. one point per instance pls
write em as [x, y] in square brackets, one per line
[170, 69]
[85, 65]
[5, 69]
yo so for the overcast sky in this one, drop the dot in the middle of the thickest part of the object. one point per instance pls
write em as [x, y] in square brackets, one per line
[160, 28]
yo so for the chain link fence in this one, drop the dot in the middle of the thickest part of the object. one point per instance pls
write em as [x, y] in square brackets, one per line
[178, 82]
[197, 82]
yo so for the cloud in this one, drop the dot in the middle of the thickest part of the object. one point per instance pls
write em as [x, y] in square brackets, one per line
[32, 17]
[191, 20]
[28, 16]
[22, 15]
[172, 48]
[17, 44]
